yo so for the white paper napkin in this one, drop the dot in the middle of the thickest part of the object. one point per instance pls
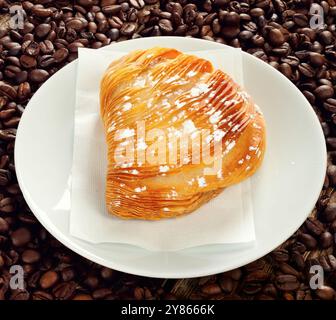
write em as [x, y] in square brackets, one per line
[227, 219]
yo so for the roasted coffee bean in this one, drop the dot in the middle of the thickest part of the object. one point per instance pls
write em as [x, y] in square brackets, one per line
[49, 279]
[11, 60]
[226, 284]
[303, 54]
[52, 35]
[28, 61]
[42, 30]
[166, 26]
[326, 240]
[64, 290]
[230, 18]
[113, 34]
[14, 257]
[7, 90]
[230, 32]
[330, 105]
[285, 69]
[255, 265]
[207, 279]
[245, 35]
[332, 226]
[33, 280]
[280, 255]
[73, 47]
[68, 274]
[257, 276]
[288, 269]
[70, 36]
[234, 274]
[112, 9]
[92, 282]
[139, 293]
[20, 237]
[303, 295]
[4, 226]
[38, 75]
[5, 176]
[27, 218]
[287, 282]
[102, 38]
[329, 213]
[4, 160]
[332, 261]
[308, 240]
[101, 293]
[128, 29]
[326, 37]
[316, 59]
[324, 92]
[306, 70]
[174, 7]
[82, 296]
[282, 50]
[137, 4]
[19, 295]
[86, 3]
[23, 91]
[46, 61]
[5, 114]
[41, 295]
[252, 288]
[97, 45]
[288, 296]
[11, 71]
[115, 22]
[30, 256]
[331, 143]
[314, 226]
[328, 263]
[300, 19]
[13, 48]
[41, 12]
[148, 294]
[206, 32]
[46, 47]
[76, 24]
[2, 264]
[298, 260]
[258, 40]
[190, 16]
[270, 290]
[31, 48]
[107, 273]
[61, 54]
[211, 289]
[64, 257]
[325, 293]
[28, 268]
[21, 77]
[276, 37]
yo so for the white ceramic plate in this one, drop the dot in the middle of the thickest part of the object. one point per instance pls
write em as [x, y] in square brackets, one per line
[285, 189]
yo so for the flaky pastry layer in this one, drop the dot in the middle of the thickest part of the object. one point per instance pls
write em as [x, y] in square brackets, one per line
[175, 93]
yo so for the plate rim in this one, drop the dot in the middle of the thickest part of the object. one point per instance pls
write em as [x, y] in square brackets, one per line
[65, 238]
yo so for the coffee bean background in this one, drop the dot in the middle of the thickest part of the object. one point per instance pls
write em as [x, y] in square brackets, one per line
[277, 31]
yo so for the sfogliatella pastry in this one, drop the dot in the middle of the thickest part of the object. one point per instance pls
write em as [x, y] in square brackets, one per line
[177, 131]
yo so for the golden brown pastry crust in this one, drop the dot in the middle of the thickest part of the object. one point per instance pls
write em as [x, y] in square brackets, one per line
[168, 90]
